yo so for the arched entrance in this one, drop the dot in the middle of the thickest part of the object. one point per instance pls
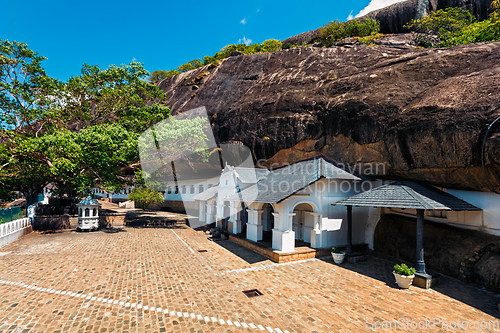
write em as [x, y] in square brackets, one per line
[267, 222]
[303, 222]
[244, 218]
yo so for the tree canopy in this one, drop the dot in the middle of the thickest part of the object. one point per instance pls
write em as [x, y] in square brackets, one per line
[73, 133]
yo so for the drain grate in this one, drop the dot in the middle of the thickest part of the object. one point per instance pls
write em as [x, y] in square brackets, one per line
[202, 251]
[252, 293]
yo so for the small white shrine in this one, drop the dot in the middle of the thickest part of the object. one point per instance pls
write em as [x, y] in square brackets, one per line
[88, 214]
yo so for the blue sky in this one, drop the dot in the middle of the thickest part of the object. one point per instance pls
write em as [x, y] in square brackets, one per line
[162, 35]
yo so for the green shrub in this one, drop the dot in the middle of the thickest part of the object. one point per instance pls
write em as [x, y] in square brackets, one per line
[144, 197]
[484, 31]
[362, 28]
[404, 270]
[271, 45]
[455, 26]
[331, 33]
[369, 39]
[334, 31]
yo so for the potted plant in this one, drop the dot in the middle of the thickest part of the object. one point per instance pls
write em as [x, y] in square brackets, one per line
[404, 275]
[338, 256]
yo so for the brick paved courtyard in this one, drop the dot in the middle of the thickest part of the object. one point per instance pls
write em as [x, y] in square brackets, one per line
[155, 280]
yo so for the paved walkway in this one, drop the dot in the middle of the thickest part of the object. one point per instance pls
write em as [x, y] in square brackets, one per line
[156, 280]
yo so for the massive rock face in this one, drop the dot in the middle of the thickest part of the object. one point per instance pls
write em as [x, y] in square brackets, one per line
[420, 114]
[393, 18]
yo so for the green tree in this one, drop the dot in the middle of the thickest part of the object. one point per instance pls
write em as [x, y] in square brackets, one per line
[144, 197]
[188, 66]
[445, 23]
[334, 31]
[72, 134]
[271, 45]
[28, 97]
[158, 76]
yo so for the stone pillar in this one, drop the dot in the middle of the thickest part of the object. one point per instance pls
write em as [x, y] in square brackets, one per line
[210, 213]
[316, 232]
[254, 225]
[235, 217]
[283, 236]
[201, 211]
[349, 230]
[420, 264]
[219, 216]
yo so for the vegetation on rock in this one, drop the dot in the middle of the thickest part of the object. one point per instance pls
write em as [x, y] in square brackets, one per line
[454, 26]
[269, 45]
[335, 31]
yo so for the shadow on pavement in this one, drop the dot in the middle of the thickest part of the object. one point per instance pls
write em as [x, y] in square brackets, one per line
[380, 268]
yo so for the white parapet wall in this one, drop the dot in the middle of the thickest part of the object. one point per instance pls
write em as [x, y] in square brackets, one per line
[11, 231]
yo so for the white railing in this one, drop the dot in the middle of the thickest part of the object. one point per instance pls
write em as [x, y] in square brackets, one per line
[11, 227]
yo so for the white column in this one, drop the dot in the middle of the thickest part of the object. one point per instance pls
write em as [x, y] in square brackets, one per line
[219, 215]
[210, 213]
[254, 225]
[316, 232]
[235, 217]
[283, 236]
[201, 212]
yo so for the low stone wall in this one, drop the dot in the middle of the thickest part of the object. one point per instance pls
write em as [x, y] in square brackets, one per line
[110, 221]
[52, 222]
[11, 231]
[175, 206]
[469, 255]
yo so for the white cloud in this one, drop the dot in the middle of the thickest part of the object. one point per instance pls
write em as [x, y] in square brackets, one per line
[350, 17]
[258, 10]
[134, 59]
[244, 21]
[246, 41]
[376, 4]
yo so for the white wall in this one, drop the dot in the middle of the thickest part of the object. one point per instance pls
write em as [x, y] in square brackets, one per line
[11, 231]
[486, 221]
[188, 196]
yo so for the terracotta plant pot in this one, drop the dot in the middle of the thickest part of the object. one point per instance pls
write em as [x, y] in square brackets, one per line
[338, 258]
[403, 281]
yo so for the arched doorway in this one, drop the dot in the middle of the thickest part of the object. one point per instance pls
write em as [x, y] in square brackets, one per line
[303, 222]
[267, 222]
[244, 218]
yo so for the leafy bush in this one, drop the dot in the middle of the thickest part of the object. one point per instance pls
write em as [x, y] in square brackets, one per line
[286, 46]
[270, 45]
[404, 270]
[370, 39]
[144, 197]
[362, 28]
[455, 26]
[158, 76]
[477, 32]
[334, 31]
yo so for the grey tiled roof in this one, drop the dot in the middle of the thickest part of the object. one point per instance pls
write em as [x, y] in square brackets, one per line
[89, 201]
[281, 183]
[407, 195]
[251, 175]
[207, 194]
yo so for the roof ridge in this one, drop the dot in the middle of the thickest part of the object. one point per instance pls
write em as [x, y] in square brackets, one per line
[417, 198]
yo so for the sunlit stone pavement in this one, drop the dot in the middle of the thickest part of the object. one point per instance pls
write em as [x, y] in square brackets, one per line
[155, 280]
